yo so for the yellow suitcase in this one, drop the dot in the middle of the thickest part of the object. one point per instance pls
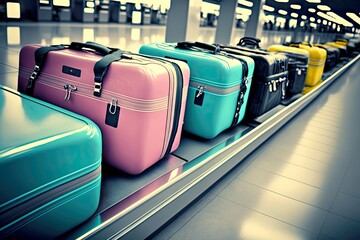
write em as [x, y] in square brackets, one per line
[316, 63]
[342, 48]
[309, 89]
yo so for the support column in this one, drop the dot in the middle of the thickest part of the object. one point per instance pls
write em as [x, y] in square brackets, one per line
[183, 22]
[226, 21]
[254, 24]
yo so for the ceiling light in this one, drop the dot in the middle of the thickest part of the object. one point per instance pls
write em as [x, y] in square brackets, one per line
[354, 17]
[282, 12]
[323, 7]
[295, 6]
[319, 20]
[341, 20]
[245, 3]
[282, 1]
[314, 1]
[294, 15]
[312, 10]
[243, 11]
[333, 17]
[312, 19]
[325, 22]
[313, 25]
[268, 8]
[303, 17]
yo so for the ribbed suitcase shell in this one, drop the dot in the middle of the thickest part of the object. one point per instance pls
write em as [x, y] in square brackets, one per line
[219, 76]
[50, 170]
[297, 67]
[316, 64]
[269, 81]
[140, 86]
[332, 56]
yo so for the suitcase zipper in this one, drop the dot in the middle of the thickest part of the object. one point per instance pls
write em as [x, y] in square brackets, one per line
[71, 88]
[115, 99]
[211, 89]
[24, 212]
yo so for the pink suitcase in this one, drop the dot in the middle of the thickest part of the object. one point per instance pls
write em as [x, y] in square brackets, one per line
[139, 106]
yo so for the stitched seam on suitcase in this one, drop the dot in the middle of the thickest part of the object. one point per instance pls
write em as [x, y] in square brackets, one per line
[85, 90]
[8, 218]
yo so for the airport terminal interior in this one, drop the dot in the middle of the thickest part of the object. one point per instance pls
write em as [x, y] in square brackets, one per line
[292, 174]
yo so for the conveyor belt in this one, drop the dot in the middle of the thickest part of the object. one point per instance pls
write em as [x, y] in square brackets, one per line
[134, 207]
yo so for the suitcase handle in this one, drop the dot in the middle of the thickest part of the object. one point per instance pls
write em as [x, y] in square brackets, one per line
[90, 45]
[307, 44]
[186, 45]
[249, 41]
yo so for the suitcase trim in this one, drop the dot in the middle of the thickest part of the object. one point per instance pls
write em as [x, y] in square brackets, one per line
[19, 215]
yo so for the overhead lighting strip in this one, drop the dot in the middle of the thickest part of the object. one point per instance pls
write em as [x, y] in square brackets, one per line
[333, 17]
[268, 8]
[341, 20]
[323, 8]
[314, 1]
[354, 17]
[245, 3]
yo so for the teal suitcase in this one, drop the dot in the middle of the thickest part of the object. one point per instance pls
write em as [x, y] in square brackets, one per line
[50, 168]
[219, 85]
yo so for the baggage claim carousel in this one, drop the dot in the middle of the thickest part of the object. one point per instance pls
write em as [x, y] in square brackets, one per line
[134, 207]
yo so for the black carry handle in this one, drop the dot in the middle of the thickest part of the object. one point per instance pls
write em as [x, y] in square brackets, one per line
[307, 44]
[249, 41]
[186, 45]
[91, 45]
[40, 57]
[100, 69]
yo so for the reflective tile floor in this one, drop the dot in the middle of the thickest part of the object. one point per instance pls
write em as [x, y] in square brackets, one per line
[303, 183]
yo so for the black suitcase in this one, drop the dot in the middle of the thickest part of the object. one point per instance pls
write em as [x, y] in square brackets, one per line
[269, 80]
[297, 67]
[332, 56]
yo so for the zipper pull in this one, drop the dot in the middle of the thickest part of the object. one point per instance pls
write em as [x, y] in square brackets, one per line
[274, 85]
[201, 90]
[33, 77]
[68, 89]
[270, 87]
[298, 71]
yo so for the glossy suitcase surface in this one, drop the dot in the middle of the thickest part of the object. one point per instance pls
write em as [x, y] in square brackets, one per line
[342, 48]
[50, 168]
[216, 83]
[269, 80]
[140, 109]
[316, 64]
[331, 55]
[336, 53]
[297, 67]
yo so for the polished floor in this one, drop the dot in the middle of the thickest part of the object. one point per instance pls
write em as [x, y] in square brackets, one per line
[303, 183]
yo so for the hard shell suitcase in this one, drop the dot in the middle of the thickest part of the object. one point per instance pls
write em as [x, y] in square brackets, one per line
[138, 102]
[343, 50]
[297, 67]
[217, 96]
[269, 80]
[316, 63]
[333, 49]
[331, 55]
[50, 168]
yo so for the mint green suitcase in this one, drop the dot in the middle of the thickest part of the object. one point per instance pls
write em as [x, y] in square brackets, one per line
[50, 168]
[219, 85]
